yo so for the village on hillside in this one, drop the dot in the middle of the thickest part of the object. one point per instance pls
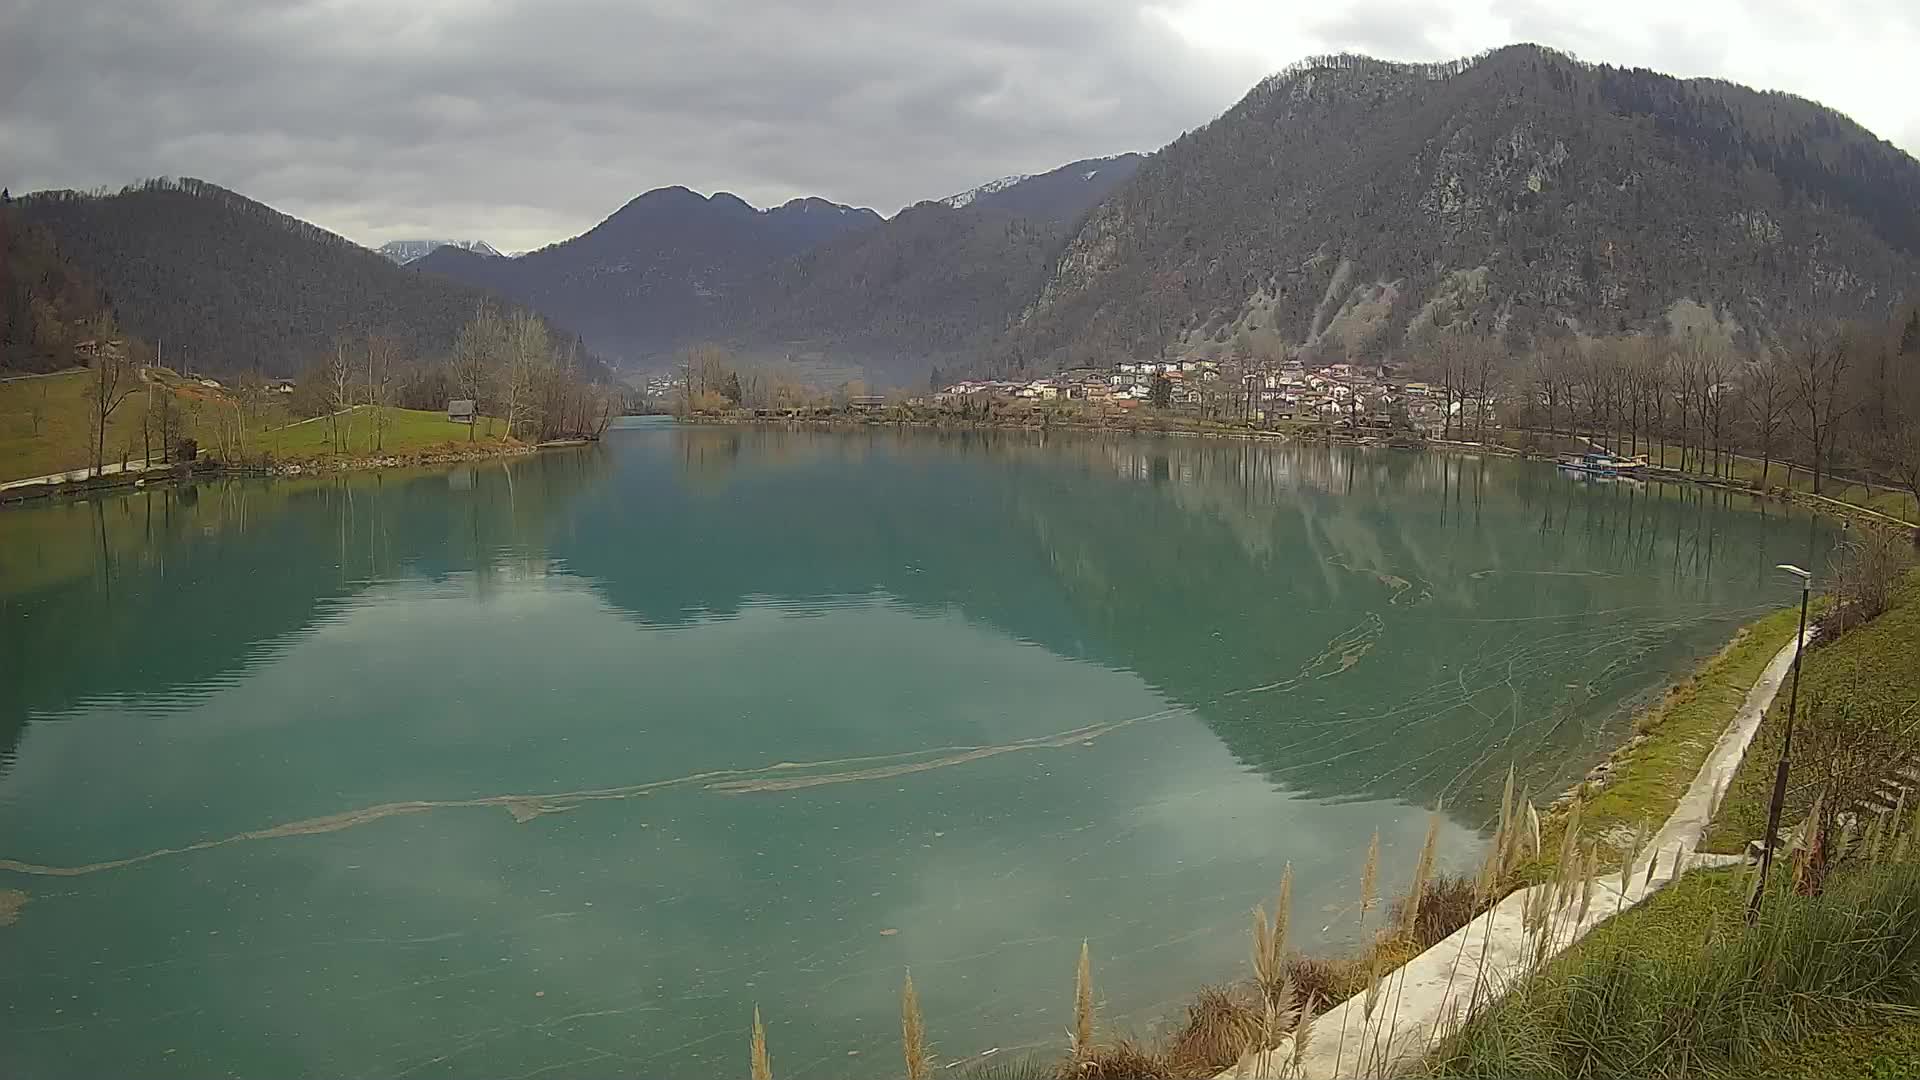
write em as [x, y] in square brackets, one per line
[1333, 395]
[1340, 394]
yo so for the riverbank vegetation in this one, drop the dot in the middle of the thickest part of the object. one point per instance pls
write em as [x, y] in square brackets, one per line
[1830, 408]
[1858, 718]
[365, 401]
[1642, 782]
[1827, 982]
[1681, 986]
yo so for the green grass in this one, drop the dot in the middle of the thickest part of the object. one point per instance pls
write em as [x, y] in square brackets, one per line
[1746, 470]
[1887, 1049]
[1876, 662]
[1679, 987]
[1647, 781]
[408, 431]
[62, 441]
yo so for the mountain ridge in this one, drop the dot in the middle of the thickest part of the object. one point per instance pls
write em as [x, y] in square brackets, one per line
[652, 274]
[1350, 207]
[406, 251]
[1344, 208]
[1059, 194]
[227, 283]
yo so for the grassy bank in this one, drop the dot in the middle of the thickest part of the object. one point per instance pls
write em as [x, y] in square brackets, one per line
[1827, 984]
[1883, 1048]
[44, 427]
[1680, 987]
[1875, 666]
[405, 431]
[1646, 779]
[1643, 785]
[1890, 501]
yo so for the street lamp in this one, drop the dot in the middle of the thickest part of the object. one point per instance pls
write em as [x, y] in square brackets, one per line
[1786, 749]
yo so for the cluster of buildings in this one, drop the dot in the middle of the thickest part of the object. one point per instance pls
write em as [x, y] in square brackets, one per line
[1125, 385]
[1353, 394]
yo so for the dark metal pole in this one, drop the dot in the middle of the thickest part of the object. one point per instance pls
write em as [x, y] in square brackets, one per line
[1780, 771]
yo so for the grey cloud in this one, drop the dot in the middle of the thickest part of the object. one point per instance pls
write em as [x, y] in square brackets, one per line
[522, 122]
[1395, 30]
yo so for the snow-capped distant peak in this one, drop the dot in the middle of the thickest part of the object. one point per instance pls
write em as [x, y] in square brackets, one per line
[405, 251]
[966, 198]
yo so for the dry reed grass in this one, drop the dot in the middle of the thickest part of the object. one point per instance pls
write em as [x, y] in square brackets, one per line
[762, 1068]
[1083, 1005]
[913, 1034]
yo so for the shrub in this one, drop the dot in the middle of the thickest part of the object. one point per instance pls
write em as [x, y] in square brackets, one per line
[1020, 1068]
[1329, 981]
[1124, 1060]
[1863, 576]
[1218, 1029]
[1446, 904]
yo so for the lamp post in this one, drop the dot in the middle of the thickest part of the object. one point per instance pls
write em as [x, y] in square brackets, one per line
[1786, 749]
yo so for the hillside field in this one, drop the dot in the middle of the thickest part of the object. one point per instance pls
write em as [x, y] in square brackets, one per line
[59, 440]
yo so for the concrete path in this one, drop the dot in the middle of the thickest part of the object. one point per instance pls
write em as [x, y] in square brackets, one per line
[41, 375]
[1422, 1002]
[1684, 830]
[83, 473]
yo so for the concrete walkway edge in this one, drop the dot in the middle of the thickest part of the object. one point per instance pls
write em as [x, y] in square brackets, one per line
[1422, 1002]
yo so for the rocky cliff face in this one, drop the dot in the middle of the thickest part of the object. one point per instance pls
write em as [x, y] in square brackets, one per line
[1349, 207]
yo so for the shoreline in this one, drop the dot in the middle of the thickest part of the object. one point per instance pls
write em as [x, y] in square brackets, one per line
[206, 469]
[1311, 436]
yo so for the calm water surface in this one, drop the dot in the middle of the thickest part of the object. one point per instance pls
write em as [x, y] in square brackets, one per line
[559, 767]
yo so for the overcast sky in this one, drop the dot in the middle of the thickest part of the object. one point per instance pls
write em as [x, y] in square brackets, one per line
[525, 121]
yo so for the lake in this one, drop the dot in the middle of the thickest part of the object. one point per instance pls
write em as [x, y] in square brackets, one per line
[559, 766]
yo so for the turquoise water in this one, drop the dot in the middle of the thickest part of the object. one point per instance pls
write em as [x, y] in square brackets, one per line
[560, 766]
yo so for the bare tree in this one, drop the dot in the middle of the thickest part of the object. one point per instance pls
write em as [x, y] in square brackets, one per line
[1549, 386]
[340, 393]
[165, 414]
[1765, 393]
[476, 352]
[1482, 360]
[382, 354]
[1900, 451]
[1689, 362]
[1658, 378]
[1818, 360]
[707, 369]
[1714, 373]
[112, 380]
[37, 408]
[528, 350]
[1450, 357]
[146, 429]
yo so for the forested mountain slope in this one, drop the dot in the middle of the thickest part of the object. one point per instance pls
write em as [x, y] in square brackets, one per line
[222, 283]
[1058, 195]
[45, 303]
[1351, 206]
[931, 284]
[658, 271]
